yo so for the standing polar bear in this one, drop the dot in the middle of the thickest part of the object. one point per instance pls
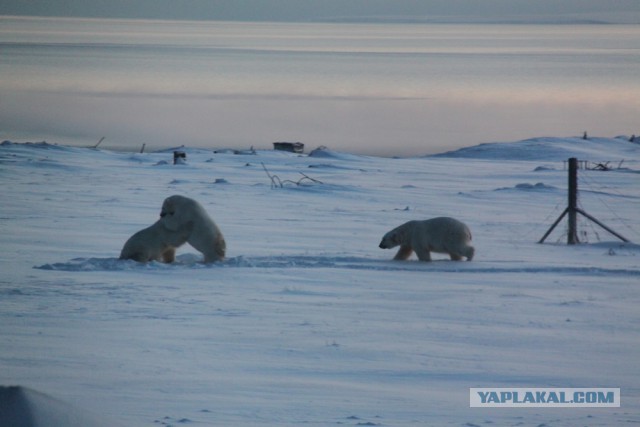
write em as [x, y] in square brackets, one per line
[182, 220]
[443, 235]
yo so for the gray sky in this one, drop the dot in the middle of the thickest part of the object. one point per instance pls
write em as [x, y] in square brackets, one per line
[625, 11]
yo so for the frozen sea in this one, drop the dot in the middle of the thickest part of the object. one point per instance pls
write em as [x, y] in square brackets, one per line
[307, 321]
[400, 89]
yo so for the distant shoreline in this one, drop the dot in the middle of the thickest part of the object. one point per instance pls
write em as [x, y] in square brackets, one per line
[633, 19]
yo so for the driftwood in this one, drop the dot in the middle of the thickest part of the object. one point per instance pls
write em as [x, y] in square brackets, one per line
[276, 182]
[99, 142]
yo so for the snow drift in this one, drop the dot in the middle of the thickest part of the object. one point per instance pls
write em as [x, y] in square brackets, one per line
[552, 148]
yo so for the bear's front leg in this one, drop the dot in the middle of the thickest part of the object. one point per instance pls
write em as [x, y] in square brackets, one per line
[169, 255]
[403, 253]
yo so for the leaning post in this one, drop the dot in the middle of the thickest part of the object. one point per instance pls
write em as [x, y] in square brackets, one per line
[573, 210]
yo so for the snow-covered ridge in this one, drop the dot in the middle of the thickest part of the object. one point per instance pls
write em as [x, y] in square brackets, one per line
[553, 148]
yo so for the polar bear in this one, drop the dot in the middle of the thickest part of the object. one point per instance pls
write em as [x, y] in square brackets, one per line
[182, 220]
[154, 243]
[442, 234]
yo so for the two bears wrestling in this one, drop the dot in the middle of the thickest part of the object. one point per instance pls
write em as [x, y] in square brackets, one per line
[184, 220]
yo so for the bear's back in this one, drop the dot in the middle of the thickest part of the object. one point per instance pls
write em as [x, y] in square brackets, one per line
[445, 227]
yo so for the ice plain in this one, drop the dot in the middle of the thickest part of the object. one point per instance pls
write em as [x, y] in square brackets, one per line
[307, 321]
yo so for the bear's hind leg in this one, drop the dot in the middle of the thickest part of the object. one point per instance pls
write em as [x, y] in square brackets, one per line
[213, 250]
[403, 253]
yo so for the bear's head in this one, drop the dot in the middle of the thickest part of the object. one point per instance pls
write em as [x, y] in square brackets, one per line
[390, 240]
[175, 213]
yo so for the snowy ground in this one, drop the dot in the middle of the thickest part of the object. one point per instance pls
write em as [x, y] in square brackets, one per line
[308, 321]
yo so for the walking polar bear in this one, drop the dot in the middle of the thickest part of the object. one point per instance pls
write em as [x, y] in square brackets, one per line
[443, 235]
[182, 220]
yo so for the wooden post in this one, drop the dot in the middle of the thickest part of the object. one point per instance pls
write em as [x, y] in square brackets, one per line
[572, 207]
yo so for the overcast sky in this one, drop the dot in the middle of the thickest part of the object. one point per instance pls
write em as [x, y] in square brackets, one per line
[627, 11]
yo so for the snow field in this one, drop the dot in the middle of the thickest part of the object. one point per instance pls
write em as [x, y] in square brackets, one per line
[308, 321]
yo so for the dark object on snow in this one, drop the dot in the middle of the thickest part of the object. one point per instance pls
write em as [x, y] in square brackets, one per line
[179, 157]
[292, 147]
[602, 166]
[23, 407]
